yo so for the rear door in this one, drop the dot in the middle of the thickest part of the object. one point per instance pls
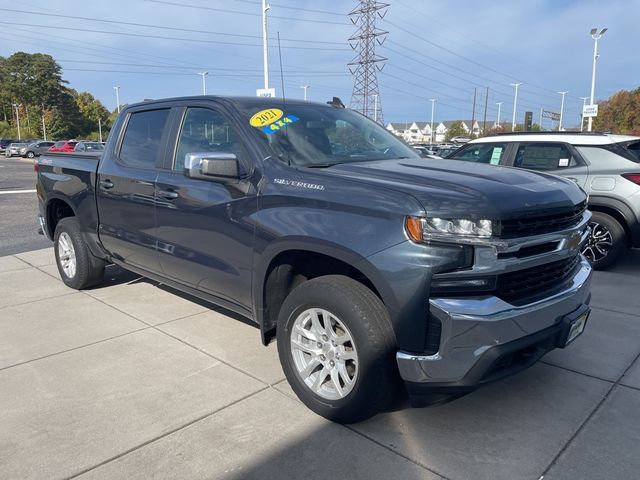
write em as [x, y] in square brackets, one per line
[552, 157]
[126, 188]
[205, 232]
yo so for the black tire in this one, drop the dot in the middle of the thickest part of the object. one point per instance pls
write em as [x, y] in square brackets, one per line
[31, 155]
[604, 228]
[367, 320]
[89, 270]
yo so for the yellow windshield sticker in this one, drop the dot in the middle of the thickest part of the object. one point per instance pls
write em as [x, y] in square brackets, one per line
[266, 117]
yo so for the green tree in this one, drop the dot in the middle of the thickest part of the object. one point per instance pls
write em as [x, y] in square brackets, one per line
[91, 111]
[456, 130]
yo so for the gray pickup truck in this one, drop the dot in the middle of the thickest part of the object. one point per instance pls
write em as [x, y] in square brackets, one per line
[370, 265]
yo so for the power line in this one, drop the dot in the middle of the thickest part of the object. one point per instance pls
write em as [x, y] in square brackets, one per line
[278, 5]
[201, 67]
[163, 27]
[237, 12]
[140, 35]
[482, 65]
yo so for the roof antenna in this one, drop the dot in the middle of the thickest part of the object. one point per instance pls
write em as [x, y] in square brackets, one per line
[336, 103]
[284, 101]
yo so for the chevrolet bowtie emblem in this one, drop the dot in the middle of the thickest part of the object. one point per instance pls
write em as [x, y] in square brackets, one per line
[573, 242]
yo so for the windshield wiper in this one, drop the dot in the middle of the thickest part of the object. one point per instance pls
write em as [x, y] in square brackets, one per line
[322, 165]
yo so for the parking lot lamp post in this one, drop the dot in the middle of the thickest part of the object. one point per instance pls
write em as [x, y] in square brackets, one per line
[117, 89]
[17, 107]
[204, 81]
[433, 106]
[596, 36]
[499, 109]
[561, 110]
[584, 102]
[99, 129]
[515, 105]
[375, 108]
[305, 88]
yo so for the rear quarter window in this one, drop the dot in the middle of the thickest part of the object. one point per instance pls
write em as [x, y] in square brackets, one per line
[141, 141]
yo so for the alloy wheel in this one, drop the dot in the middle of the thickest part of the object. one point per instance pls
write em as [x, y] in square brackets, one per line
[324, 353]
[67, 255]
[599, 244]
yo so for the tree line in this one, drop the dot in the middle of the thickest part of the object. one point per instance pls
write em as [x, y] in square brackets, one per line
[33, 90]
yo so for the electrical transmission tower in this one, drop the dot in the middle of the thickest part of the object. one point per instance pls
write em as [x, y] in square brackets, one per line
[365, 66]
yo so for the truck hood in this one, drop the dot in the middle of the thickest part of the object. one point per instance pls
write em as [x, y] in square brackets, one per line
[458, 189]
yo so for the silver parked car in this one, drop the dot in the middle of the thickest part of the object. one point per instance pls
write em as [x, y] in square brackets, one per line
[606, 166]
[36, 149]
[85, 146]
[13, 150]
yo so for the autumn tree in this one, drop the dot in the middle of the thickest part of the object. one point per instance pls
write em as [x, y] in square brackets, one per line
[620, 113]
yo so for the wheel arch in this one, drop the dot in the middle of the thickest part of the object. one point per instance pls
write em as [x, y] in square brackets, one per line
[56, 209]
[616, 209]
[288, 263]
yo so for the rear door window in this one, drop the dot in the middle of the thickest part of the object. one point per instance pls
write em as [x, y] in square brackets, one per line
[544, 156]
[490, 153]
[141, 141]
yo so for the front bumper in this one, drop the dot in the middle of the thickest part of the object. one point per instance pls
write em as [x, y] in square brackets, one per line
[478, 332]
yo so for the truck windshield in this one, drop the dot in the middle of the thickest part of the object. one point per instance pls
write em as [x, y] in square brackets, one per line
[318, 136]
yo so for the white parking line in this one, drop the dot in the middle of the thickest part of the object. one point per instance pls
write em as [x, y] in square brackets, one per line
[7, 192]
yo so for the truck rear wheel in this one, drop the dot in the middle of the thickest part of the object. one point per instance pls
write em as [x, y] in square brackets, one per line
[337, 348]
[78, 268]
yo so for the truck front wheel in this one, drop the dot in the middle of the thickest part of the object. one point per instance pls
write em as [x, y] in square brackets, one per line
[337, 348]
[78, 268]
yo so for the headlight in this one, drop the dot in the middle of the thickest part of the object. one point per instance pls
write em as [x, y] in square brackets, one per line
[444, 229]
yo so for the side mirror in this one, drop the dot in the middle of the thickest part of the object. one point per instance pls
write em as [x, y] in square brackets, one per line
[211, 166]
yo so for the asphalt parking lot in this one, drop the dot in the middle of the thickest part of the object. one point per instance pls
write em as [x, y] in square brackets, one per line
[134, 380]
[18, 207]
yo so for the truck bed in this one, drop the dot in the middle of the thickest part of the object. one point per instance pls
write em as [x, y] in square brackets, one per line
[68, 175]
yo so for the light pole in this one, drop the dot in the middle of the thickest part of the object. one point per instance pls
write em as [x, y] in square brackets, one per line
[584, 103]
[265, 47]
[596, 36]
[433, 106]
[375, 108]
[117, 89]
[17, 107]
[44, 127]
[204, 82]
[305, 87]
[99, 128]
[515, 105]
[499, 109]
[561, 110]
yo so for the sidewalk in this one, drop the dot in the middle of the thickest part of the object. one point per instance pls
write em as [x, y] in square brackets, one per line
[134, 380]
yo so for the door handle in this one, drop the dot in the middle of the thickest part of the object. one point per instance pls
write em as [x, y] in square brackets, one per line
[168, 194]
[106, 184]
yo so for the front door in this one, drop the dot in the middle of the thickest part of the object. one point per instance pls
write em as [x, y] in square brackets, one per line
[205, 228]
[126, 190]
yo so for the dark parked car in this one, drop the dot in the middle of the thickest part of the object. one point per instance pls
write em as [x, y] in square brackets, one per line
[89, 147]
[4, 143]
[368, 264]
[36, 149]
[63, 146]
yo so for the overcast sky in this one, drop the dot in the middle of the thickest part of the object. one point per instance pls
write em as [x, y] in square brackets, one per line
[435, 49]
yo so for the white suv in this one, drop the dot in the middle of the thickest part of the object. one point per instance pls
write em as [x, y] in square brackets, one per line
[606, 166]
